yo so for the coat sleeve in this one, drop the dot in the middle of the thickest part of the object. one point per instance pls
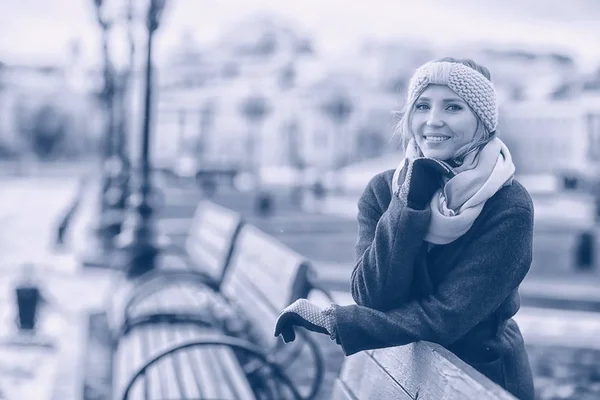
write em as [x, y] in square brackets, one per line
[386, 249]
[492, 267]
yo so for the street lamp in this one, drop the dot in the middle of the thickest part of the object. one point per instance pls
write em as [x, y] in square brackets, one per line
[119, 164]
[115, 164]
[103, 229]
[139, 244]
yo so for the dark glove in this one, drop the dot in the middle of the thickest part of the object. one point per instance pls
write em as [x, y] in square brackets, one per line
[423, 179]
[307, 315]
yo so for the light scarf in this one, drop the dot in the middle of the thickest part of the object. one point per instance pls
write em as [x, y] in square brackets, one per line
[455, 207]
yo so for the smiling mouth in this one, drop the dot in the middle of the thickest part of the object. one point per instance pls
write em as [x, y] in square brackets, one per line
[435, 138]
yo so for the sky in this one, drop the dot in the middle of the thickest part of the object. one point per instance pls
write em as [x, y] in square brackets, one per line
[42, 29]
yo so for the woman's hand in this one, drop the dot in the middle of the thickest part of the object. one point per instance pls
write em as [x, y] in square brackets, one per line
[306, 314]
[423, 179]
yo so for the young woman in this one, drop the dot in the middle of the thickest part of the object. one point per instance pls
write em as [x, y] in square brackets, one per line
[444, 241]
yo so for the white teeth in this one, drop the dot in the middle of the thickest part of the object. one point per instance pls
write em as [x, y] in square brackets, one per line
[436, 138]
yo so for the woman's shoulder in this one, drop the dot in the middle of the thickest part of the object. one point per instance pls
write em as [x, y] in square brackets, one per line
[382, 181]
[378, 191]
[511, 196]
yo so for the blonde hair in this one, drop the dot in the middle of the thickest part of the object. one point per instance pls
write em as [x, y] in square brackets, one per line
[482, 134]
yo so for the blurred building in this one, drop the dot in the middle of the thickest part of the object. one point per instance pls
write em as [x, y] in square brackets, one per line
[203, 92]
[552, 137]
[29, 87]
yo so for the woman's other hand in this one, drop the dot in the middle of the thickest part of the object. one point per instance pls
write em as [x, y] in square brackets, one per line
[306, 314]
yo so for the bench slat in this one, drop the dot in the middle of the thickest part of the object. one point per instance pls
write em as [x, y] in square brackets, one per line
[183, 368]
[204, 259]
[272, 266]
[221, 363]
[175, 387]
[209, 239]
[366, 380]
[261, 315]
[238, 381]
[139, 389]
[341, 392]
[201, 372]
[224, 360]
[130, 358]
[200, 365]
[153, 379]
[437, 373]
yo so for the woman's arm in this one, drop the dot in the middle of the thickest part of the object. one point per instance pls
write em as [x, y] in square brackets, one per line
[386, 249]
[492, 267]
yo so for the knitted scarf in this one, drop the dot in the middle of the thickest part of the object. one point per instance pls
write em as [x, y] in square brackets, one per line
[455, 207]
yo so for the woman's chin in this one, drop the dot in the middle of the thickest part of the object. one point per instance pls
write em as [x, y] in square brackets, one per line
[438, 154]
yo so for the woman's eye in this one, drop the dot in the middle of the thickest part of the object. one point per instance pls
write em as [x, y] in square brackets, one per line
[422, 106]
[454, 107]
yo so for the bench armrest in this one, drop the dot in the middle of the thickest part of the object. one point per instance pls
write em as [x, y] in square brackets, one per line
[149, 282]
[164, 317]
[218, 340]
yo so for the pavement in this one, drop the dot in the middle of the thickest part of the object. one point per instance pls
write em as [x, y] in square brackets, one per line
[30, 208]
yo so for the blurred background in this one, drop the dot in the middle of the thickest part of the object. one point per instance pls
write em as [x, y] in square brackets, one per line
[272, 107]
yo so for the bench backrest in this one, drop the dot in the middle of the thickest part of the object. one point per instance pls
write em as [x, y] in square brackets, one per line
[420, 370]
[264, 276]
[211, 236]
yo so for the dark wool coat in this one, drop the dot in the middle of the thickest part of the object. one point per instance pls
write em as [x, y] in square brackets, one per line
[461, 295]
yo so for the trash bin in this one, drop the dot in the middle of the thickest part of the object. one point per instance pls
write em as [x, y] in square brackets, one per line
[584, 253]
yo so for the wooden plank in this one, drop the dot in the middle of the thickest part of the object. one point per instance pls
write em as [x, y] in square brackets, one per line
[210, 237]
[341, 391]
[215, 238]
[158, 346]
[155, 389]
[270, 264]
[210, 356]
[138, 390]
[174, 387]
[200, 369]
[233, 373]
[217, 215]
[366, 380]
[182, 366]
[121, 365]
[216, 369]
[261, 315]
[204, 259]
[432, 372]
[129, 359]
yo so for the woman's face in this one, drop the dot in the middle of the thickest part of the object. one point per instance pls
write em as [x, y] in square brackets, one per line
[442, 122]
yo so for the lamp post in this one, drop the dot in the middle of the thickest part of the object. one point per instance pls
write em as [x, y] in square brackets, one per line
[114, 187]
[118, 191]
[105, 229]
[139, 243]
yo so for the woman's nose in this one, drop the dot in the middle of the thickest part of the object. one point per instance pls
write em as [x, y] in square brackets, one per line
[434, 118]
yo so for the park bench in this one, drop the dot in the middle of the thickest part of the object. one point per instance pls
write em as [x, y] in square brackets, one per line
[203, 258]
[420, 370]
[180, 340]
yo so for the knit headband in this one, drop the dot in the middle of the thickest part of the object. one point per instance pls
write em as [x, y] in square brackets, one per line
[474, 88]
